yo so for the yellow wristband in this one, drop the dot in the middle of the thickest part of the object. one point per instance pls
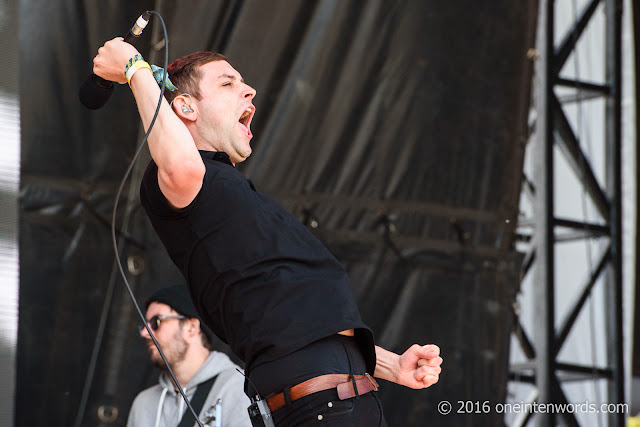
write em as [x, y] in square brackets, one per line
[135, 67]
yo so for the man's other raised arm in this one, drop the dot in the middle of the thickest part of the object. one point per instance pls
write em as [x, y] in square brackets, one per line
[180, 167]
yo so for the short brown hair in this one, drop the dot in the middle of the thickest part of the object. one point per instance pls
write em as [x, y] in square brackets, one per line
[185, 73]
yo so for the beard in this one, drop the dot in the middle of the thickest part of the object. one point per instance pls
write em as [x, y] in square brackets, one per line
[174, 350]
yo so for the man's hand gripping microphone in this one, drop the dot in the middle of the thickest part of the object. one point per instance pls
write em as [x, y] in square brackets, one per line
[96, 91]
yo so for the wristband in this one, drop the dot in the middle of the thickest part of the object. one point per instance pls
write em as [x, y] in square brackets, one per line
[133, 65]
[135, 58]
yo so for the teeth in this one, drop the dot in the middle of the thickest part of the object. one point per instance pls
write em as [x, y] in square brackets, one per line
[245, 114]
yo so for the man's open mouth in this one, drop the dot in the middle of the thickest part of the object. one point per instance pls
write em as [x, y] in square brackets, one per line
[246, 116]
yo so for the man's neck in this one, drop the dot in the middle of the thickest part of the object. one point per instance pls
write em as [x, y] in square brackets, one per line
[203, 144]
[190, 365]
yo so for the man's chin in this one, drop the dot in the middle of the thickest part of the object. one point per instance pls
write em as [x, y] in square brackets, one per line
[158, 363]
[156, 359]
[241, 157]
[247, 152]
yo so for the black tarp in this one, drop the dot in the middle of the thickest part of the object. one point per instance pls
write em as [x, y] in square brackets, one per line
[394, 129]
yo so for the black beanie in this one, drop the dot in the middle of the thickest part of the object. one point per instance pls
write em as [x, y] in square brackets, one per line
[177, 297]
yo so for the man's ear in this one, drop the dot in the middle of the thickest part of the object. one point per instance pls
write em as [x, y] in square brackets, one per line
[184, 109]
[193, 326]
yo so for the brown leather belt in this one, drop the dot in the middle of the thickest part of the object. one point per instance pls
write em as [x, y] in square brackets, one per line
[343, 382]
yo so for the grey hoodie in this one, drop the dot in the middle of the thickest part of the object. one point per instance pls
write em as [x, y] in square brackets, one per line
[162, 406]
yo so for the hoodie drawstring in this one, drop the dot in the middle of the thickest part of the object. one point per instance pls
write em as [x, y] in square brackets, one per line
[164, 393]
[181, 407]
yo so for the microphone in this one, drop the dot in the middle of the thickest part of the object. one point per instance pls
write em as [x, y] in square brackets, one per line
[96, 91]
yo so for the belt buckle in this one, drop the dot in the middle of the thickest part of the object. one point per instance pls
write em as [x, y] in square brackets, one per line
[373, 382]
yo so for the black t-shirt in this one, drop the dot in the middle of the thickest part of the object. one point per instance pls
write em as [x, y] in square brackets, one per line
[258, 278]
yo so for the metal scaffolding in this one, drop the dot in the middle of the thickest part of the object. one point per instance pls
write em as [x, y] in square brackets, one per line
[554, 133]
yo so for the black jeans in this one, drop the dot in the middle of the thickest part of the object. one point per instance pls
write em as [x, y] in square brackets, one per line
[336, 354]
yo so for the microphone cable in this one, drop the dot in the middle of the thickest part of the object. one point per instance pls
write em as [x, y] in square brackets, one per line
[113, 220]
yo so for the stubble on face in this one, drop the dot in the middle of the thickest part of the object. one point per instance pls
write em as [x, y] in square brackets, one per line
[174, 349]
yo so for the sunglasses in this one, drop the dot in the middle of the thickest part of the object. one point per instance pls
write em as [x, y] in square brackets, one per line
[154, 322]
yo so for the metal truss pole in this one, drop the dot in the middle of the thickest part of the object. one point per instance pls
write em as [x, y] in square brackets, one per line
[543, 211]
[613, 13]
[553, 129]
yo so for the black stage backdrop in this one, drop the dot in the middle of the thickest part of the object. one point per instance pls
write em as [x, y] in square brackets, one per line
[394, 129]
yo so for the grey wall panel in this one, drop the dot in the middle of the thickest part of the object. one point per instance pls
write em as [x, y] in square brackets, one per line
[9, 186]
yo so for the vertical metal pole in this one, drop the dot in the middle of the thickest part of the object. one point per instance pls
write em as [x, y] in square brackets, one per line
[613, 16]
[543, 178]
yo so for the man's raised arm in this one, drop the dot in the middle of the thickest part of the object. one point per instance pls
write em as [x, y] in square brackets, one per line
[180, 167]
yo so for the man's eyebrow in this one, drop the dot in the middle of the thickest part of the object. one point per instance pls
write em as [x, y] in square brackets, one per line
[229, 76]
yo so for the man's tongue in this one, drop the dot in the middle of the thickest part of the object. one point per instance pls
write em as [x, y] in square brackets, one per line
[246, 130]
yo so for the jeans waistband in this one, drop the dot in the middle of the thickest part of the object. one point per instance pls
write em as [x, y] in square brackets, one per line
[335, 354]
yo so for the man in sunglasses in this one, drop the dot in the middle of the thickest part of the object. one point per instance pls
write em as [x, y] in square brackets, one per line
[209, 378]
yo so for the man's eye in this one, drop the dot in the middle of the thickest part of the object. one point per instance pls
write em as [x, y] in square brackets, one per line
[226, 84]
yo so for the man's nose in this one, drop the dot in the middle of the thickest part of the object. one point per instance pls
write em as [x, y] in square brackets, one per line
[249, 92]
[144, 333]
